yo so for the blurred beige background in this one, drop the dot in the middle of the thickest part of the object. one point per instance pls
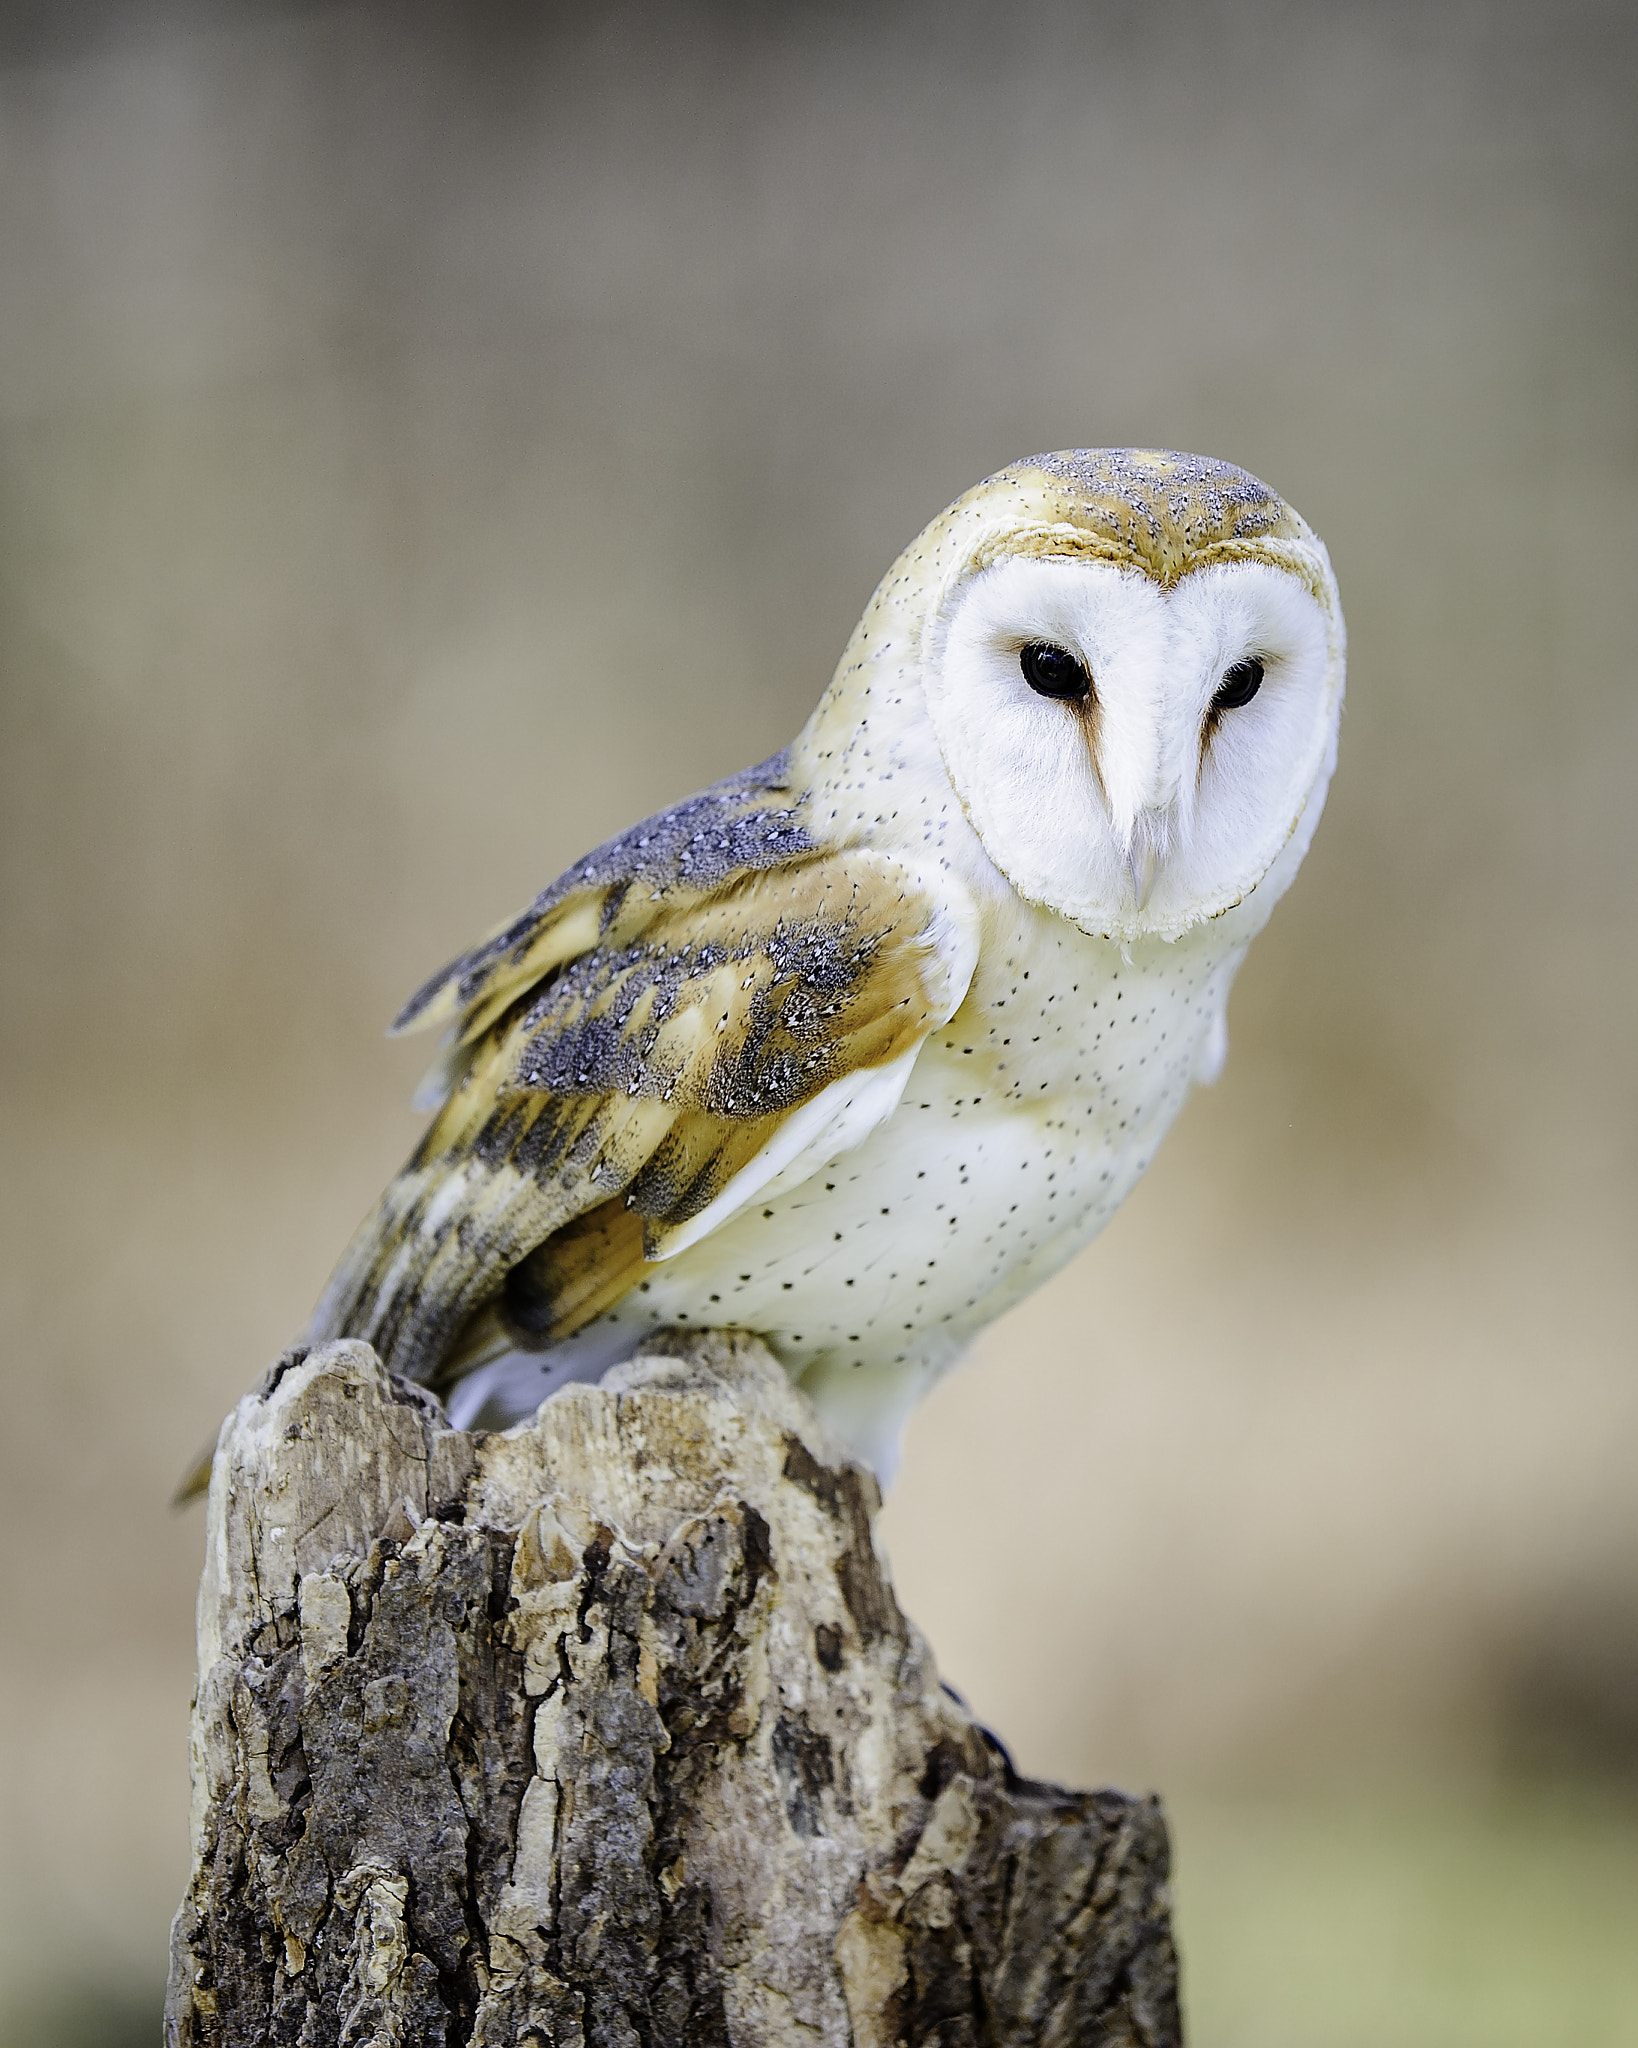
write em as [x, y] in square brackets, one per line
[431, 438]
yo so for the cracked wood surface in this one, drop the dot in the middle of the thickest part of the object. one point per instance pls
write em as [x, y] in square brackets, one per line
[608, 1731]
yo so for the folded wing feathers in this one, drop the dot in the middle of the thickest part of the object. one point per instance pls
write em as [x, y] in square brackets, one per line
[746, 823]
[646, 1069]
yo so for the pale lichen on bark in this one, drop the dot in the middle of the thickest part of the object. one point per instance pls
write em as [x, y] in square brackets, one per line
[609, 1731]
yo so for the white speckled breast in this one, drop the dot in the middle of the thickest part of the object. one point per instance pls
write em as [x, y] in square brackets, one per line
[1025, 1124]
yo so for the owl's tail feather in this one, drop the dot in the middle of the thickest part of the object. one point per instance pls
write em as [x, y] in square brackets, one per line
[444, 1288]
[196, 1480]
[482, 1339]
[427, 1262]
[345, 1312]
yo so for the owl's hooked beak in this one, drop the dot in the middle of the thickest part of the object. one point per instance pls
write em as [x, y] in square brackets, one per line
[1141, 862]
[1145, 844]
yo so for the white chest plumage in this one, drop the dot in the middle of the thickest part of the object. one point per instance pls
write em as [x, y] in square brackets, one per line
[1025, 1122]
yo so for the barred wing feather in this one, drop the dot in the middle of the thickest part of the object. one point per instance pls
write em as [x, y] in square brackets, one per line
[617, 1098]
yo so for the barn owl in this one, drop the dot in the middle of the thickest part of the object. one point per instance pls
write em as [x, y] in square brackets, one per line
[855, 1048]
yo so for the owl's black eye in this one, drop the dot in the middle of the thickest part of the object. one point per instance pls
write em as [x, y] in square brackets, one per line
[1053, 671]
[1239, 685]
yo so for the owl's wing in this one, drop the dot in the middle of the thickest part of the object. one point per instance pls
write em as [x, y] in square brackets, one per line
[739, 826]
[633, 1061]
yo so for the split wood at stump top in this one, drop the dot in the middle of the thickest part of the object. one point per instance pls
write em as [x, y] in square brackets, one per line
[608, 1731]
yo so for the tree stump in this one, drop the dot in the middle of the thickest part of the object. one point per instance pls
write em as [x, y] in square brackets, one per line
[608, 1731]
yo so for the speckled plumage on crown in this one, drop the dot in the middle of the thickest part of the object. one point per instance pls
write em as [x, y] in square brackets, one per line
[1161, 485]
[1163, 512]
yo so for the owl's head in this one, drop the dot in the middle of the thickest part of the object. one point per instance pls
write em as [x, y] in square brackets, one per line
[1133, 664]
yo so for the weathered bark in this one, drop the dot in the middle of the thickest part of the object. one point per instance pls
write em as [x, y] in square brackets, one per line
[609, 1731]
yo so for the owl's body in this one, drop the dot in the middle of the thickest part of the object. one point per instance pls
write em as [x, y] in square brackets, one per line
[856, 1049]
[1024, 1124]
